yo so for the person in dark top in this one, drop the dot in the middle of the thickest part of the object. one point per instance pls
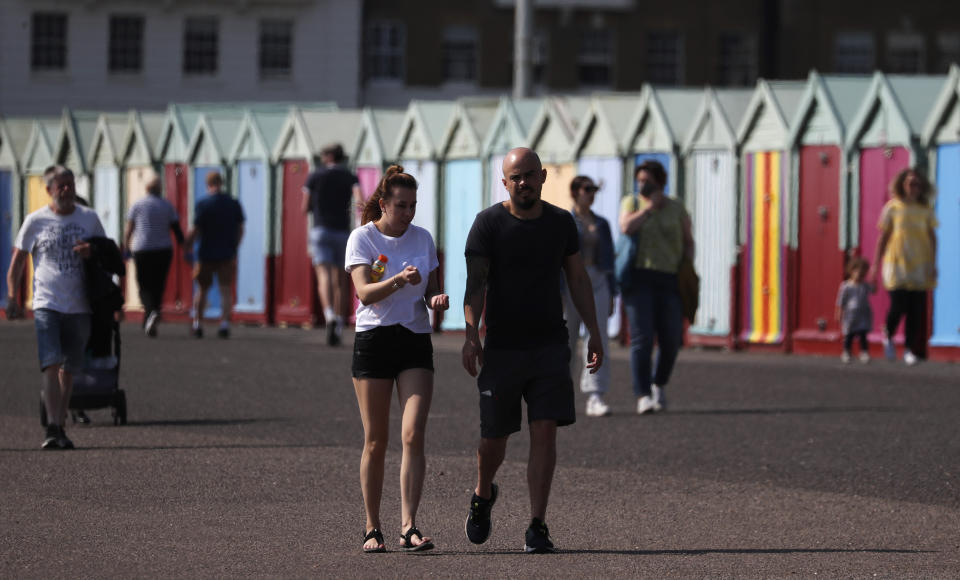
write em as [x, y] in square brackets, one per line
[218, 223]
[516, 252]
[326, 198]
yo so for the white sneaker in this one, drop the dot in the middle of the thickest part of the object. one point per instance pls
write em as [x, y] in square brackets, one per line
[659, 399]
[910, 358]
[864, 357]
[596, 407]
[645, 405]
[889, 349]
[845, 357]
[150, 328]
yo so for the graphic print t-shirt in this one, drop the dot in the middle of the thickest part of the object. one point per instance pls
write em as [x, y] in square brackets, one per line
[58, 276]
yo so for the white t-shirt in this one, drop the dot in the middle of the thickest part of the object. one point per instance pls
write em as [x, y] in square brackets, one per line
[59, 282]
[405, 306]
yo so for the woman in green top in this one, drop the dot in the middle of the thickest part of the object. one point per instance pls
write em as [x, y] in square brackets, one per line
[652, 300]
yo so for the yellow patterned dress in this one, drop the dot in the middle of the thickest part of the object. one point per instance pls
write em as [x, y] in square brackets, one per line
[908, 262]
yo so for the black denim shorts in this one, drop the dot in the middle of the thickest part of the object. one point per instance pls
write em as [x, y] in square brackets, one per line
[540, 376]
[386, 351]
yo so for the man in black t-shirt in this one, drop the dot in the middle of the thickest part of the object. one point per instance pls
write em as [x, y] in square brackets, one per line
[326, 196]
[516, 252]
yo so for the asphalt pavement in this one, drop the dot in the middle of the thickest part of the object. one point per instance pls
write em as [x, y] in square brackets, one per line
[241, 458]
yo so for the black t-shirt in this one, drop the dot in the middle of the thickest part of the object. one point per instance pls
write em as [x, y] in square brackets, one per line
[524, 304]
[331, 189]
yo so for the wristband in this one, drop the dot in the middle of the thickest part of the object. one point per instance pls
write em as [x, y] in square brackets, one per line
[396, 285]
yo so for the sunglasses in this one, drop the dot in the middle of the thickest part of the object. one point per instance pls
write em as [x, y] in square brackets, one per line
[590, 188]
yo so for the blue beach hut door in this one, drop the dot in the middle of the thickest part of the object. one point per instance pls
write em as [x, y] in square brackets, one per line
[251, 261]
[946, 308]
[462, 200]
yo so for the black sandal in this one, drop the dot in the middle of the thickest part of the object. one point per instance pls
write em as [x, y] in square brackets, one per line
[376, 534]
[407, 546]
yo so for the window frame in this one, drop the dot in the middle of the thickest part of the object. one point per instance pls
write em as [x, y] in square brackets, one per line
[678, 65]
[51, 43]
[727, 71]
[140, 48]
[385, 56]
[596, 60]
[851, 37]
[465, 40]
[198, 71]
[276, 73]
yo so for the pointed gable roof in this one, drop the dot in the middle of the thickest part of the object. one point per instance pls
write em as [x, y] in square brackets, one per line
[422, 129]
[378, 132]
[138, 146]
[107, 143]
[555, 127]
[827, 106]
[467, 128]
[39, 153]
[766, 122]
[945, 109]
[602, 130]
[661, 119]
[894, 110]
[14, 135]
[714, 125]
[511, 124]
[256, 135]
[212, 137]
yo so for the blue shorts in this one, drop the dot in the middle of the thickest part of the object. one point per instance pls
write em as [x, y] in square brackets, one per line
[61, 338]
[328, 246]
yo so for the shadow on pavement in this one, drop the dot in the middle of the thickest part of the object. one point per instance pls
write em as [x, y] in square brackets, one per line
[693, 552]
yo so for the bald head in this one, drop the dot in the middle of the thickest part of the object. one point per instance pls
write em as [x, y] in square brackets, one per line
[520, 155]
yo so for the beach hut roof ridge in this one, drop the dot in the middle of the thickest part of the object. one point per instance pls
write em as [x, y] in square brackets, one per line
[949, 97]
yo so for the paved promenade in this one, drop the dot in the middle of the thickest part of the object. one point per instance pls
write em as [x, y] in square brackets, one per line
[241, 459]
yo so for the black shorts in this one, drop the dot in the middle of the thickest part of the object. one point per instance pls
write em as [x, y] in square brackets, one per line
[386, 351]
[540, 376]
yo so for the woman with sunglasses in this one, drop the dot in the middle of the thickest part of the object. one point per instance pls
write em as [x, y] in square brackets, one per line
[596, 248]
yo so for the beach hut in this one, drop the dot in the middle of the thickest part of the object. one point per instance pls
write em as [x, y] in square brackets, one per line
[509, 129]
[766, 164]
[656, 132]
[941, 137]
[105, 158]
[552, 135]
[599, 147]
[253, 172]
[305, 132]
[14, 134]
[373, 147]
[461, 149]
[709, 155]
[884, 138]
[73, 145]
[818, 224]
[418, 148]
[38, 154]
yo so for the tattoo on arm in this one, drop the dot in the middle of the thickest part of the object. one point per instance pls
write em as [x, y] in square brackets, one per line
[478, 269]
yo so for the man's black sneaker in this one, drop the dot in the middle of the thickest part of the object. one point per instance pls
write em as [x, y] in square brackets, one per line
[197, 332]
[478, 523]
[51, 439]
[224, 332]
[63, 441]
[538, 538]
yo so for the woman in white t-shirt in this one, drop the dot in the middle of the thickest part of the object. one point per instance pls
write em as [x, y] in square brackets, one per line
[392, 345]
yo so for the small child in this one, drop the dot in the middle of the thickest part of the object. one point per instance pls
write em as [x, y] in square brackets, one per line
[853, 308]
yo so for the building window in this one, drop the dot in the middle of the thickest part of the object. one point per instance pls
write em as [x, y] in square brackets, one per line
[48, 41]
[126, 44]
[948, 45]
[737, 59]
[384, 50]
[201, 46]
[664, 58]
[460, 54]
[595, 57]
[854, 52]
[905, 53]
[276, 48]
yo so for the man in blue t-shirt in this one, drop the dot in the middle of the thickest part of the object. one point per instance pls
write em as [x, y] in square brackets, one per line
[218, 224]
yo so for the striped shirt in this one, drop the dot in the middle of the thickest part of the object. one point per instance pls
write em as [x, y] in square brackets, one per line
[152, 218]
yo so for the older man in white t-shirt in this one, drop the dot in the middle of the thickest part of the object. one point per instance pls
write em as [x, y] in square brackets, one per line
[54, 236]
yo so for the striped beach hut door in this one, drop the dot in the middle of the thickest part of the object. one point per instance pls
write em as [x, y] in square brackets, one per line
[251, 255]
[762, 282]
[714, 222]
[878, 167]
[946, 307]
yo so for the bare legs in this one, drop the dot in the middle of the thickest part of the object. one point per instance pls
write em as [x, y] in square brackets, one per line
[540, 467]
[414, 393]
[57, 386]
[333, 286]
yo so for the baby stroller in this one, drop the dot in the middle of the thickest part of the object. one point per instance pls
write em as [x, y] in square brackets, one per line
[97, 386]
